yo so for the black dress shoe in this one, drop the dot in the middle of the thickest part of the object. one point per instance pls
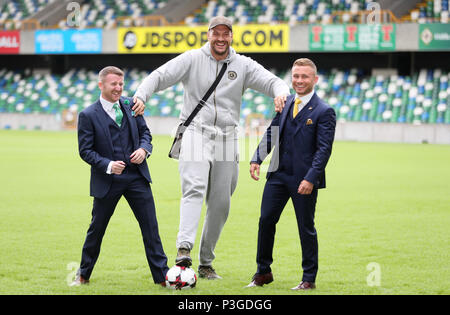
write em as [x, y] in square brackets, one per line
[305, 285]
[260, 279]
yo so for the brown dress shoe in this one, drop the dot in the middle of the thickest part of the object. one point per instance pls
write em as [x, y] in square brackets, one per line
[163, 284]
[260, 279]
[79, 280]
[305, 285]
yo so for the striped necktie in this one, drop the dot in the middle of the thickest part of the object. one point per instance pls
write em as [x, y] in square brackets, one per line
[119, 114]
[296, 103]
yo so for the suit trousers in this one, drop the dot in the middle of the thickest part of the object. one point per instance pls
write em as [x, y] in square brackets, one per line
[138, 194]
[278, 190]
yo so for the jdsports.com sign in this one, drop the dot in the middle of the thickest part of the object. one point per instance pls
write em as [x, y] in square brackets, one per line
[178, 39]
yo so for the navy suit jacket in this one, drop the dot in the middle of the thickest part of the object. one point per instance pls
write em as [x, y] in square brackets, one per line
[313, 140]
[96, 148]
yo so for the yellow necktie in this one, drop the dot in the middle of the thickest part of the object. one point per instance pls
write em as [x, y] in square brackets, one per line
[296, 103]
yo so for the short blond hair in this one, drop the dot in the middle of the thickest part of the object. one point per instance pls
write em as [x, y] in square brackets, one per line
[109, 70]
[305, 62]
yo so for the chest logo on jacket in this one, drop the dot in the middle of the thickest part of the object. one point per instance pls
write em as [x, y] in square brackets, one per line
[232, 75]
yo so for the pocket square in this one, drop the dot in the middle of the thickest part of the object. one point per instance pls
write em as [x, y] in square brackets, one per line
[309, 122]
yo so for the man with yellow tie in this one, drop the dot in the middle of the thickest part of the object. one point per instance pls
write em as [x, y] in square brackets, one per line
[302, 137]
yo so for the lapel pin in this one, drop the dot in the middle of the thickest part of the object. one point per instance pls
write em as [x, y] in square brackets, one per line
[309, 122]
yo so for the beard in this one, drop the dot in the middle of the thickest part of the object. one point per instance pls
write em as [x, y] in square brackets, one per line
[221, 53]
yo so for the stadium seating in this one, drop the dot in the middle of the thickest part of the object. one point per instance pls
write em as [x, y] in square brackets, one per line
[418, 99]
[94, 13]
[278, 11]
[307, 11]
[430, 11]
[13, 12]
[108, 13]
[421, 98]
[105, 13]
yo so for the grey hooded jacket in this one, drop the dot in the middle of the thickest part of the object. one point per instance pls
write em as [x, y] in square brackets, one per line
[197, 69]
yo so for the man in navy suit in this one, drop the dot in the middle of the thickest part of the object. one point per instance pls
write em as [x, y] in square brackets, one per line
[116, 144]
[302, 135]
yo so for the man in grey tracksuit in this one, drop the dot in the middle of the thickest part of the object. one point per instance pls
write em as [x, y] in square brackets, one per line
[208, 162]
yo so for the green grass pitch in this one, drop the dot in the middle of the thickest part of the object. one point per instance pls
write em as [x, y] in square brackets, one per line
[383, 223]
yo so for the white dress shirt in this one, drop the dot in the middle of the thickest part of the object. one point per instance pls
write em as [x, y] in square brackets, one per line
[108, 108]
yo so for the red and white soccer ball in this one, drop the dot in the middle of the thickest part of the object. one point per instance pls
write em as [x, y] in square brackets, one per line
[181, 278]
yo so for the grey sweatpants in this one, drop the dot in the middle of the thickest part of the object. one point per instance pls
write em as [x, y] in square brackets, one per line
[208, 167]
